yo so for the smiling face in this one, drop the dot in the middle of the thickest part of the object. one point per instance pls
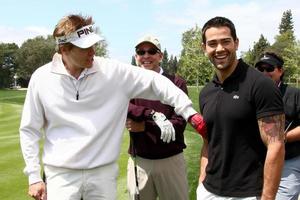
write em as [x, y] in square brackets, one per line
[220, 47]
[145, 59]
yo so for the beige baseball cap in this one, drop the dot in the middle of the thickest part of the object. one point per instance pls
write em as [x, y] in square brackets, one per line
[151, 39]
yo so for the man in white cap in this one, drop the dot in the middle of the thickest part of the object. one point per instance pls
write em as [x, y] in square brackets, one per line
[78, 102]
[158, 160]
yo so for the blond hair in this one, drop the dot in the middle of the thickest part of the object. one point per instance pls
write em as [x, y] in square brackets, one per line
[69, 24]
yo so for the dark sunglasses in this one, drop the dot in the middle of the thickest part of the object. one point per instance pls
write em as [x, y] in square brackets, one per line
[143, 52]
[268, 68]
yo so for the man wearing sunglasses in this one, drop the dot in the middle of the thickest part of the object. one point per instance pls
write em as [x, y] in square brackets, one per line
[271, 65]
[156, 161]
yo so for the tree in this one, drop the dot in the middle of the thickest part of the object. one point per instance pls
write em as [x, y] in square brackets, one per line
[283, 41]
[194, 66]
[292, 61]
[8, 64]
[287, 23]
[173, 64]
[285, 45]
[165, 61]
[32, 54]
[252, 55]
[101, 48]
[169, 65]
[286, 37]
[133, 61]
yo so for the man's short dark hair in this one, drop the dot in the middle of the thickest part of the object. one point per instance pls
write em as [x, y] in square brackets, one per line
[218, 22]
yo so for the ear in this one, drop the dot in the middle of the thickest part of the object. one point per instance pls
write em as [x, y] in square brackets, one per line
[203, 48]
[136, 60]
[280, 69]
[237, 44]
[63, 49]
[161, 55]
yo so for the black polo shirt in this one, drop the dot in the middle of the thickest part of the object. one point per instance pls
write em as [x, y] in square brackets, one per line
[291, 101]
[236, 153]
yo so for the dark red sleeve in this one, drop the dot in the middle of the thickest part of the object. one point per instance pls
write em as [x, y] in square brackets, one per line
[138, 113]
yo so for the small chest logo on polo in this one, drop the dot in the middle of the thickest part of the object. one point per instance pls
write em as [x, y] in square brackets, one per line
[235, 96]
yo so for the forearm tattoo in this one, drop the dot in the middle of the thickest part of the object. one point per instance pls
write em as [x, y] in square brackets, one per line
[272, 128]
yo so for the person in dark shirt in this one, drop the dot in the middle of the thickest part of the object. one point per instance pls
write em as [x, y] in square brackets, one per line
[271, 65]
[243, 153]
[160, 165]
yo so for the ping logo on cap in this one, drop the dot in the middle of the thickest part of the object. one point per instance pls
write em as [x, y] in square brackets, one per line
[83, 37]
[84, 31]
[78, 34]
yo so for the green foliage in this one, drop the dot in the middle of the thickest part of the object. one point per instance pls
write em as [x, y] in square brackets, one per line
[173, 65]
[7, 63]
[259, 47]
[287, 47]
[282, 41]
[165, 61]
[291, 58]
[101, 49]
[284, 45]
[133, 61]
[34, 53]
[286, 23]
[13, 183]
[169, 65]
[193, 64]
[12, 96]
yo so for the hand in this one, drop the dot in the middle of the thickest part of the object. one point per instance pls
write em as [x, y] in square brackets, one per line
[134, 126]
[199, 124]
[38, 191]
[166, 127]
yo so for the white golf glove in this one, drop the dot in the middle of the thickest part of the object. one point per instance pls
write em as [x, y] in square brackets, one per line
[166, 127]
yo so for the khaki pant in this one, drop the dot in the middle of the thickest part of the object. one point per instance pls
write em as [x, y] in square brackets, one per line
[162, 178]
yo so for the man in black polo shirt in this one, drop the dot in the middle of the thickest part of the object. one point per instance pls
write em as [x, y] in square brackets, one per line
[271, 64]
[243, 154]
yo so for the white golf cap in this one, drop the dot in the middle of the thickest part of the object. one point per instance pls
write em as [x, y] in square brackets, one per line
[150, 39]
[84, 37]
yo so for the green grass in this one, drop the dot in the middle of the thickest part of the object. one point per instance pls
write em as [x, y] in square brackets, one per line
[13, 183]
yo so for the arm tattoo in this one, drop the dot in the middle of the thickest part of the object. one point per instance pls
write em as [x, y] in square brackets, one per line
[272, 128]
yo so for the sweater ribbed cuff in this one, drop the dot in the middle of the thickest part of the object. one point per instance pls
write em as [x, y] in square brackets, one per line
[34, 178]
[188, 112]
